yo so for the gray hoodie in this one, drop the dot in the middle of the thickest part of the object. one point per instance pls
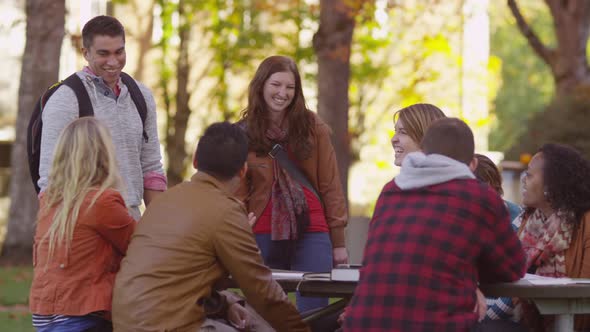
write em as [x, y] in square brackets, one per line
[420, 170]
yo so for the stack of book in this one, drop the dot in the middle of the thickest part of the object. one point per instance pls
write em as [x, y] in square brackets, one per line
[342, 272]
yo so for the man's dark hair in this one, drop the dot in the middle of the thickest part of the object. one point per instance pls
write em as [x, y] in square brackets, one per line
[222, 150]
[450, 137]
[101, 26]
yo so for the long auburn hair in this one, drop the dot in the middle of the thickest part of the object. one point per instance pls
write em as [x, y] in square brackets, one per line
[84, 161]
[255, 115]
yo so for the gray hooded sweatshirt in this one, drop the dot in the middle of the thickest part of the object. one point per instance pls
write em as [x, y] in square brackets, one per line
[420, 170]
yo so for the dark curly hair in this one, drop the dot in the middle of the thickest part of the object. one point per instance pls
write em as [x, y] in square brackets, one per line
[566, 175]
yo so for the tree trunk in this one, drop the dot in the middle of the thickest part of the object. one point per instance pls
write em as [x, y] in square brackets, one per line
[332, 44]
[568, 61]
[571, 20]
[144, 38]
[40, 69]
[176, 147]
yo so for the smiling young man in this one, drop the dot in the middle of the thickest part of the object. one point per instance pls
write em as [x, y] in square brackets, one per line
[136, 142]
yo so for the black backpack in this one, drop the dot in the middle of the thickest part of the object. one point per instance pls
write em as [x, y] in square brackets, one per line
[84, 109]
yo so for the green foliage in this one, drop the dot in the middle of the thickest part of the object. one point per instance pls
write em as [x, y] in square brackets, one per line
[526, 81]
[401, 55]
[563, 121]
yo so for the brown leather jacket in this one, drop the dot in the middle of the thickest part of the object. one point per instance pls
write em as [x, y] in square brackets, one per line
[190, 238]
[321, 170]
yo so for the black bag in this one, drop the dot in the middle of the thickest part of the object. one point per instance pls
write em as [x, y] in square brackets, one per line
[84, 109]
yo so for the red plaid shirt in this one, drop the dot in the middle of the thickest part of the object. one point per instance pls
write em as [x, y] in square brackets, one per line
[425, 251]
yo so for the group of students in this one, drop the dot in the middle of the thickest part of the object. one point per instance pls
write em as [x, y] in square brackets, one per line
[267, 195]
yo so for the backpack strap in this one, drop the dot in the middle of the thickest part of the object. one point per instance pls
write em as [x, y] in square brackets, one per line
[137, 98]
[84, 104]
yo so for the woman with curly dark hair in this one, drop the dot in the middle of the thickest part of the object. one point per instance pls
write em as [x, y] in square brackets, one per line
[298, 220]
[555, 227]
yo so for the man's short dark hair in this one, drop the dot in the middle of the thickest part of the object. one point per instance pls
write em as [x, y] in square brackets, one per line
[450, 137]
[101, 26]
[222, 150]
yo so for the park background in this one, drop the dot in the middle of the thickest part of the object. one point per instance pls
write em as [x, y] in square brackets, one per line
[515, 71]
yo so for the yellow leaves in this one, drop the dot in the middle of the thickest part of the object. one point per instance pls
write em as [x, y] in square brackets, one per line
[382, 164]
[437, 44]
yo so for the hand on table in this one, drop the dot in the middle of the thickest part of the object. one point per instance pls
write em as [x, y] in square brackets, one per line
[339, 256]
[480, 305]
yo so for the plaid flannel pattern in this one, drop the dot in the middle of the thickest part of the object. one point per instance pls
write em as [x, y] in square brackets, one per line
[425, 252]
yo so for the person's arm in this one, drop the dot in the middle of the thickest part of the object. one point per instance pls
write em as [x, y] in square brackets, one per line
[59, 111]
[502, 258]
[237, 251]
[154, 178]
[149, 195]
[330, 190]
[110, 218]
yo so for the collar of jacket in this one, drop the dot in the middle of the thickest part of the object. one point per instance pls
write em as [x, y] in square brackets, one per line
[206, 178]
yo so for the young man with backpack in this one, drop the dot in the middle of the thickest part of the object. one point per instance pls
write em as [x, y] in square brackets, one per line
[126, 108]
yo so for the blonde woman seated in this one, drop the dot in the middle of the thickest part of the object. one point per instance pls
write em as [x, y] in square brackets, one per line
[554, 229]
[83, 229]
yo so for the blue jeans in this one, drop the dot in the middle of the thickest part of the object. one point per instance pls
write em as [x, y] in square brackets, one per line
[311, 253]
[75, 324]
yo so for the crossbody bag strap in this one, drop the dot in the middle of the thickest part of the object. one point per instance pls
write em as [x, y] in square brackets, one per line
[279, 153]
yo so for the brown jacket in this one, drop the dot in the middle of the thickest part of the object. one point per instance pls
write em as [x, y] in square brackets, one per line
[577, 260]
[189, 238]
[81, 282]
[321, 170]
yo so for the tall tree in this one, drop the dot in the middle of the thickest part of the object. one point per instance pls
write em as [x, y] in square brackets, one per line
[40, 68]
[568, 59]
[175, 139]
[332, 44]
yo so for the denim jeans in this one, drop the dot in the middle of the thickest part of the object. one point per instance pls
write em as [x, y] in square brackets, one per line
[77, 324]
[311, 253]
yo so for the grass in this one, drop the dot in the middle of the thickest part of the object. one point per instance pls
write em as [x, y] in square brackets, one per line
[16, 322]
[14, 297]
[14, 285]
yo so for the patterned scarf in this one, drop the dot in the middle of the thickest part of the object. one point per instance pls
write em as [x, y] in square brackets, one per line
[544, 241]
[290, 213]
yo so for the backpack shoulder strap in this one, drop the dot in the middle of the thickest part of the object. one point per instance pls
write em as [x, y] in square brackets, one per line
[84, 104]
[137, 98]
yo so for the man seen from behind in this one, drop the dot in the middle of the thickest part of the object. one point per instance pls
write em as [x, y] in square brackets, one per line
[436, 232]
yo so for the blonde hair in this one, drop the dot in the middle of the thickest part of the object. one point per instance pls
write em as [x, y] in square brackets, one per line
[417, 118]
[84, 160]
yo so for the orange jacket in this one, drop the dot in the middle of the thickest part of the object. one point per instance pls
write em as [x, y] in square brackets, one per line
[81, 282]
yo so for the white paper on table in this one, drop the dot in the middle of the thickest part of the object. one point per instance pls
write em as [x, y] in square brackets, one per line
[288, 275]
[540, 280]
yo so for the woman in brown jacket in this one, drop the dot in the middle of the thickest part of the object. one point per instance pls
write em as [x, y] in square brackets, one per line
[83, 230]
[555, 227]
[298, 226]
